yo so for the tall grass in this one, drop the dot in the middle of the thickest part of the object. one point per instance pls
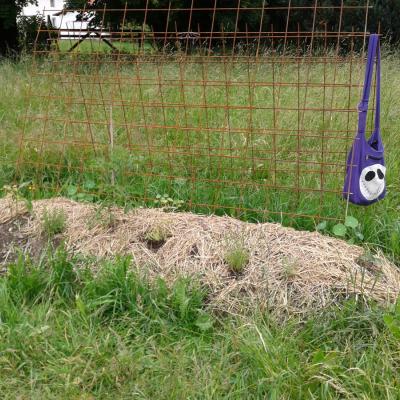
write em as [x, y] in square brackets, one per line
[156, 154]
[68, 333]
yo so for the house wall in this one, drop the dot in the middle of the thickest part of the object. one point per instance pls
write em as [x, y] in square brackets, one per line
[48, 8]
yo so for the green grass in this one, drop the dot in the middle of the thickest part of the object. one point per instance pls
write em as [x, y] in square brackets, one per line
[91, 46]
[236, 257]
[145, 169]
[53, 222]
[67, 333]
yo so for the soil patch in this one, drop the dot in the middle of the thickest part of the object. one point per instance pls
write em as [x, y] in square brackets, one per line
[14, 240]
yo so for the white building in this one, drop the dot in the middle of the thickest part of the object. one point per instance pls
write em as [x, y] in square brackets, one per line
[52, 11]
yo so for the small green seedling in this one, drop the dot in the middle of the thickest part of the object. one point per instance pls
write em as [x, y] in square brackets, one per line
[289, 268]
[54, 222]
[167, 203]
[236, 258]
[102, 216]
[156, 236]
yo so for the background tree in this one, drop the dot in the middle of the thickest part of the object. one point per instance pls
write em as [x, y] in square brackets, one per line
[9, 33]
[178, 19]
[385, 12]
[388, 13]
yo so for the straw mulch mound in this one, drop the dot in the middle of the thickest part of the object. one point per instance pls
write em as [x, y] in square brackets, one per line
[284, 269]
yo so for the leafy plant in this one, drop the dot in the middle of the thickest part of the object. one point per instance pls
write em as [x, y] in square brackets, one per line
[54, 222]
[349, 230]
[16, 192]
[392, 321]
[204, 322]
[73, 192]
[167, 203]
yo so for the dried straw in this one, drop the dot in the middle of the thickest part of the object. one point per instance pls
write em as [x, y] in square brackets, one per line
[288, 270]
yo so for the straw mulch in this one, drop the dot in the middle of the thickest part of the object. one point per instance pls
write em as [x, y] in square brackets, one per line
[287, 270]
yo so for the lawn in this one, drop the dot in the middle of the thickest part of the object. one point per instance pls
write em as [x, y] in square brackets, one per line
[67, 333]
[72, 335]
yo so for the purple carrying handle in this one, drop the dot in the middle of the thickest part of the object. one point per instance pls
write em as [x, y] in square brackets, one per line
[374, 53]
[367, 156]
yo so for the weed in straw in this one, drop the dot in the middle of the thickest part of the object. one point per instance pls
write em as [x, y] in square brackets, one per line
[236, 258]
[53, 222]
